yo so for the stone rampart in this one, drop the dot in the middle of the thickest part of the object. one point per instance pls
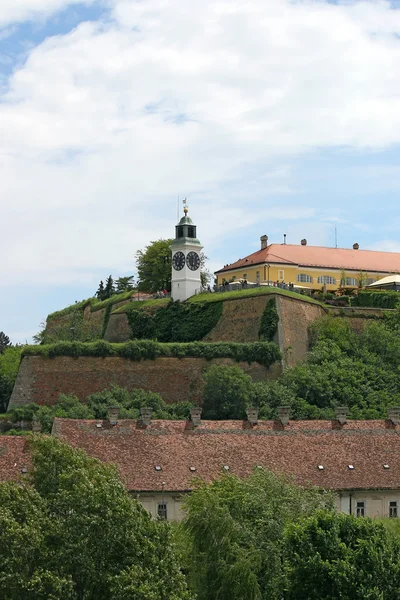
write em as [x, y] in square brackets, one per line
[42, 380]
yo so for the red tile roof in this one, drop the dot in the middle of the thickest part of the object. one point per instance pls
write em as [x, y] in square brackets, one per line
[298, 449]
[320, 256]
[14, 456]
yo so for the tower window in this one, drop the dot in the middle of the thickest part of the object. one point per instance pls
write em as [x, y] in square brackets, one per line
[192, 232]
[393, 510]
[179, 231]
[360, 509]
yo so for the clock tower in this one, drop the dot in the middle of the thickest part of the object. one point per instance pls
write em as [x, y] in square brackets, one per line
[185, 281]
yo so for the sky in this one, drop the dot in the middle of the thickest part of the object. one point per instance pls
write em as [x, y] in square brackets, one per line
[271, 116]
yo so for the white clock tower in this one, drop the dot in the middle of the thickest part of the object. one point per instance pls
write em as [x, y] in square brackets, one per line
[185, 281]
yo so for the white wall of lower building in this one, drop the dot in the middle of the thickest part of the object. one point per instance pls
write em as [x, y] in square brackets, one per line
[376, 503]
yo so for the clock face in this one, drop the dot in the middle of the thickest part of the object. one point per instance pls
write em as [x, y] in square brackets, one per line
[193, 261]
[178, 261]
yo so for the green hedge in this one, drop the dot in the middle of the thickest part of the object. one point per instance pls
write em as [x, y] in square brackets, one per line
[175, 322]
[265, 353]
[249, 293]
[384, 299]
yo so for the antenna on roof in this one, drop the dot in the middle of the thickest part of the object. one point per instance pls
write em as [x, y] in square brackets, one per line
[335, 237]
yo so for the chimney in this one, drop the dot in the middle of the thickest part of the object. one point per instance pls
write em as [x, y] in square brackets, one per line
[356, 246]
[195, 415]
[145, 415]
[283, 414]
[36, 426]
[252, 415]
[264, 241]
[393, 413]
[284, 238]
[112, 415]
[341, 413]
[303, 242]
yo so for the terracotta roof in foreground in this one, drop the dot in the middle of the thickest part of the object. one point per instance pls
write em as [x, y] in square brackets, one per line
[14, 457]
[321, 256]
[184, 452]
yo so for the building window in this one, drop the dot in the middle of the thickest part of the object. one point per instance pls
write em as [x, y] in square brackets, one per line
[258, 275]
[162, 510]
[351, 281]
[360, 509]
[281, 275]
[244, 275]
[233, 277]
[327, 279]
[393, 510]
[303, 278]
[371, 280]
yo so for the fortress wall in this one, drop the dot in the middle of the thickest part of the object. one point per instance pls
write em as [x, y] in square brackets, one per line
[118, 329]
[42, 380]
[240, 320]
[295, 317]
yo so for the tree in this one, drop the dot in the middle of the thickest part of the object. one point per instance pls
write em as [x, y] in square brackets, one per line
[109, 289]
[332, 556]
[154, 266]
[234, 530]
[4, 341]
[227, 392]
[80, 536]
[124, 284]
[100, 291]
[9, 365]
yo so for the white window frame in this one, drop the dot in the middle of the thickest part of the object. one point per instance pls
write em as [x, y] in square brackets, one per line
[327, 280]
[162, 510]
[393, 509]
[360, 508]
[304, 278]
[351, 282]
[281, 274]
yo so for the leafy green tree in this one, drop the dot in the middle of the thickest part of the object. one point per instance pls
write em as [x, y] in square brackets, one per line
[77, 534]
[234, 530]
[227, 392]
[9, 365]
[4, 341]
[124, 284]
[335, 556]
[154, 266]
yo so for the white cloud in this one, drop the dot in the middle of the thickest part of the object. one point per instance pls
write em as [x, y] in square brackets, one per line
[103, 128]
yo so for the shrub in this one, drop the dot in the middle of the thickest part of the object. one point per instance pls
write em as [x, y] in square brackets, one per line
[384, 299]
[269, 322]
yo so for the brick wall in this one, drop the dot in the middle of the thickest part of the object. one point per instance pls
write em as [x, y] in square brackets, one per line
[42, 380]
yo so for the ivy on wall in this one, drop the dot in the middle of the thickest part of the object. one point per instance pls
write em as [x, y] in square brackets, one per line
[269, 322]
[174, 323]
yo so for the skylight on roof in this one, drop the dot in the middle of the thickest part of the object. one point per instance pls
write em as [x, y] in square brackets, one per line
[351, 467]
[158, 468]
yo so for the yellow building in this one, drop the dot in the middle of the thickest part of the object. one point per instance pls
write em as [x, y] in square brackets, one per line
[311, 267]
